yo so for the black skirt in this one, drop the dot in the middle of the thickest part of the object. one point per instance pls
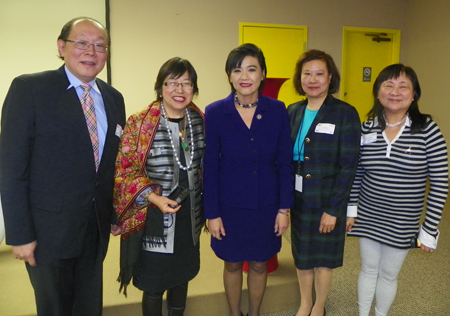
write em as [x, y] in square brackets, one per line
[156, 272]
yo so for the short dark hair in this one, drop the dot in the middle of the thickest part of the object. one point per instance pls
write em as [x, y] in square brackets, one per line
[67, 28]
[175, 68]
[315, 54]
[419, 120]
[237, 55]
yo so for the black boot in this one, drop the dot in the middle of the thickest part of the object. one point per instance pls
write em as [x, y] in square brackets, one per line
[176, 311]
[176, 300]
[152, 304]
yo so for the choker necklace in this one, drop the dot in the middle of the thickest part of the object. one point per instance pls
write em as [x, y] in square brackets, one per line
[396, 124]
[245, 106]
[175, 154]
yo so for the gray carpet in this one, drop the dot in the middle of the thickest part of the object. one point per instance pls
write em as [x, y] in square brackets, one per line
[423, 284]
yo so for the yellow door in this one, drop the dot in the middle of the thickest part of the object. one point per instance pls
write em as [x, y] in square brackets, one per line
[366, 51]
[282, 45]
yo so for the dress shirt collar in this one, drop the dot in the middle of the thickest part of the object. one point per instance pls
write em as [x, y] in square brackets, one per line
[75, 82]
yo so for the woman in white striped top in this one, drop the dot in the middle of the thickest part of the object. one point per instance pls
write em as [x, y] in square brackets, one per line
[401, 149]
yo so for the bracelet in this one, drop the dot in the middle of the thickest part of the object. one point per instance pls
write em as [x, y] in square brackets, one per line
[146, 195]
[284, 213]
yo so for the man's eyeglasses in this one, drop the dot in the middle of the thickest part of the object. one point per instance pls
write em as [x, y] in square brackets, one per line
[172, 85]
[84, 45]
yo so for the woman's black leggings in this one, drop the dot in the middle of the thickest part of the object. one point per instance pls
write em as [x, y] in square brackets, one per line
[176, 301]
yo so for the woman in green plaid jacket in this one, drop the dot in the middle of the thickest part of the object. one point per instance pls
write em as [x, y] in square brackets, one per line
[326, 135]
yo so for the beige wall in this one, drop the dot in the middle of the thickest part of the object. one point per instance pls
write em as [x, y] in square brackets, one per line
[28, 33]
[427, 49]
[146, 33]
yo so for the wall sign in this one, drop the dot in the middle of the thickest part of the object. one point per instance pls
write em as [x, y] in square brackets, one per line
[367, 74]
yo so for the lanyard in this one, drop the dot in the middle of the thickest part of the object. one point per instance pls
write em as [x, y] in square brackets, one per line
[302, 145]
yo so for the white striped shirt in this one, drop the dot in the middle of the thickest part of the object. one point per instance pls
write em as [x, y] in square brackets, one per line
[390, 184]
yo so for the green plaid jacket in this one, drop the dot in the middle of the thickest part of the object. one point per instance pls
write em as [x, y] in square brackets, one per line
[330, 159]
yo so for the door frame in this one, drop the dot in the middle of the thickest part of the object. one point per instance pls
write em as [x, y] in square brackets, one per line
[242, 25]
[286, 91]
[395, 53]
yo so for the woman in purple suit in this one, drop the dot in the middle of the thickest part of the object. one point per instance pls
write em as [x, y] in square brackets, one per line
[248, 180]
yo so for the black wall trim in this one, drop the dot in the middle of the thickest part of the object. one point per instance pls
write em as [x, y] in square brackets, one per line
[108, 27]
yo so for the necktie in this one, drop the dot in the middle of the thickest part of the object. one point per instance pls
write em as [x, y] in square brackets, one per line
[91, 120]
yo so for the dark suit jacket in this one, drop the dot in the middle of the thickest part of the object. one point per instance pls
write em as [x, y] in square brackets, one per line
[47, 170]
[330, 159]
[247, 168]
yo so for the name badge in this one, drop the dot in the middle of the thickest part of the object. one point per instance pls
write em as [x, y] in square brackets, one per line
[298, 183]
[119, 130]
[369, 138]
[325, 128]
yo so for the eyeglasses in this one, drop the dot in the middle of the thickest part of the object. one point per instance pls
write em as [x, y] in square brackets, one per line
[390, 87]
[172, 85]
[84, 45]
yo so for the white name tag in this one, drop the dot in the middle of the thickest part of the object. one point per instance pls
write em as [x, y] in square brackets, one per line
[298, 183]
[325, 128]
[369, 138]
[119, 130]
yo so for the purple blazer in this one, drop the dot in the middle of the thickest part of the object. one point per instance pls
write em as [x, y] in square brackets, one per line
[247, 168]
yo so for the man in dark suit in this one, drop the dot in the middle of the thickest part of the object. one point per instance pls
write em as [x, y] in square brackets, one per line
[57, 172]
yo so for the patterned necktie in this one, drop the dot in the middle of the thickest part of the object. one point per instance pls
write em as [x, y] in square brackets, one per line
[91, 120]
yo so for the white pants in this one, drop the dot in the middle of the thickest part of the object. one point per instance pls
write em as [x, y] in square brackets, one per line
[381, 265]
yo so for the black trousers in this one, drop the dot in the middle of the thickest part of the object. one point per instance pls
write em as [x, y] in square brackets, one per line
[71, 286]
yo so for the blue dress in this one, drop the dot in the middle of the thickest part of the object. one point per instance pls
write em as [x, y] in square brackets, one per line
[248, 177]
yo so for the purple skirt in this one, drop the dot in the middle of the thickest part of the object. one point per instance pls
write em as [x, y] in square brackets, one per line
[249, 233]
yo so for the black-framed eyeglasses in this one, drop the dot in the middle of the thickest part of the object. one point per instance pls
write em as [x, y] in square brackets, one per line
[186, 86]
[84, 45]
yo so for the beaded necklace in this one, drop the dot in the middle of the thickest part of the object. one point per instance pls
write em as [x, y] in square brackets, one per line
[396, 124]
[175, 154]
[245, 106]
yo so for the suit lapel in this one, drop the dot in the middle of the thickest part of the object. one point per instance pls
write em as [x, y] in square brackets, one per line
[69, 114]
[111, 116]
[296, 120]
[235, 118]
[69, 106]
[299, 112]
[323, 111]
[260, 114]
